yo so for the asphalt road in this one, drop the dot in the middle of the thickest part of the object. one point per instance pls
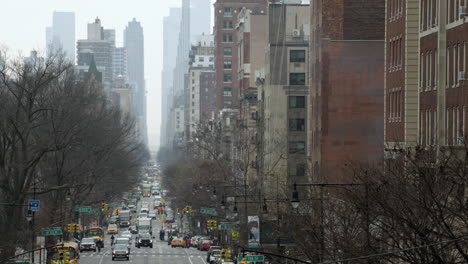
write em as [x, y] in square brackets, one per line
[160, 253]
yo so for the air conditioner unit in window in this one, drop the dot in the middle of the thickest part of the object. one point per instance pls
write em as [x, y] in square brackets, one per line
[462, 11]
[296, 33]
[461, 76]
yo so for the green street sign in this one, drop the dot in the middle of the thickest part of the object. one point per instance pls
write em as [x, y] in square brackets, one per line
[228, 226]
[209, 211]
[95, 212]
[83, 210]
[51, 232]
[252, 258]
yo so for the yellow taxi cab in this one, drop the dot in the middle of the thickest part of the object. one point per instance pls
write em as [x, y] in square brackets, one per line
[178, 242]
[112, 229]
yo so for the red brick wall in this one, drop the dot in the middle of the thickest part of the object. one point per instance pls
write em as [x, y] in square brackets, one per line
[352, 105]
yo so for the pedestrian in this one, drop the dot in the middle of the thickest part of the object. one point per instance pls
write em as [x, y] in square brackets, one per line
[112, 240]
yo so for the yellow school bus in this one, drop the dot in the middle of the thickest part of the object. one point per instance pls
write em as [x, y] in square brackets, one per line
[97, 234]
[64, 253]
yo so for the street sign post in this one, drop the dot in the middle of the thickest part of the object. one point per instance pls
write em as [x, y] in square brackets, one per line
[34, 205]
[52, 232]
[229, 226]
[83, 210]
[209, 211]
[251, 258]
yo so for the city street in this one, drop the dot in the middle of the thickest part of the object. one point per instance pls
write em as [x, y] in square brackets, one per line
[160, 253]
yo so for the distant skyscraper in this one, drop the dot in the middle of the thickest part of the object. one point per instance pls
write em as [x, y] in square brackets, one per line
[101, 50]
[61, 36]
[109, 34]
[134, 44]
[119, 62]
[200, 18]
[171, 28]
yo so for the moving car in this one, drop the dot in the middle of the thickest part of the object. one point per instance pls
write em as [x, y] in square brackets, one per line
[133, 229]
[112, 229]
[126, 234]
[120, 251]
[123, 241]
[144, 240]
[178, 242]
[152, 215]
[88, 243]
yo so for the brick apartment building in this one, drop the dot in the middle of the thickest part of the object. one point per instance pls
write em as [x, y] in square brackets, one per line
[425, 73]
[346, 85]
[226, 53]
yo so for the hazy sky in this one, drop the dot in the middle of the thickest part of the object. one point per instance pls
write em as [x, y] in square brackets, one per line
[23, 24]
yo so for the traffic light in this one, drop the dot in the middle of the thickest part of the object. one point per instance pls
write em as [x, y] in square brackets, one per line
[76, 228]
[222, 255]
[61, 256]
[187, 209]
[116, 211]
[215, 224]
[70, 228]
[178, 211]
[228, 254]
[103, 206]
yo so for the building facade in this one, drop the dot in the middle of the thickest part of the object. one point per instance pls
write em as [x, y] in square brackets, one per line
[284, 97]
[201, 64]
[226, 53]
[346, 86]
[101, 50]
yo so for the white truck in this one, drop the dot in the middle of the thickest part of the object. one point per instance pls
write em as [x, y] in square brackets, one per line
[144, 226]
[124, 218]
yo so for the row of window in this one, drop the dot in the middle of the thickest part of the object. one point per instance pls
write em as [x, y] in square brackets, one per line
[395, 105]
[454, 126]
[395, 9]
[429, 14]
[456, 10]
[202, 59]
[395, 50]
[456, 65]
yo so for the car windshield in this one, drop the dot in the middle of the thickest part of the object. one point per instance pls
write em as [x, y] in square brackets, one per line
[121, 241]
[145, 235]
[112, 226]
[120, 247]
[126, 233]
[87, 240]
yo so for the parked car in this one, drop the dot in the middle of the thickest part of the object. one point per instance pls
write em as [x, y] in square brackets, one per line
[120, 251]
[205, 244]
[178, 242]
[211, 251]
[144, 240]
[213, 257]
[88, 243]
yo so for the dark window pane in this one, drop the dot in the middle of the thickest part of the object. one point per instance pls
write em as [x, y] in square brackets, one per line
[297, 78]
[296, 124]
[297, 56]
[297, 147]
[228, 51]
[296, 101]
[227, 77]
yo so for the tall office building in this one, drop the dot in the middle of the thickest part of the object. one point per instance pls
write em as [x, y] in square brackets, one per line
[134, 45]
[61, 36]
[101, 50]
[226, 18]
[109, 35]
[171, 28]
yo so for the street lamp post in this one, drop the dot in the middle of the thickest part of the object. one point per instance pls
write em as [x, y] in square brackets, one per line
[295, 204]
